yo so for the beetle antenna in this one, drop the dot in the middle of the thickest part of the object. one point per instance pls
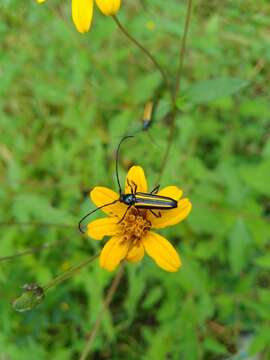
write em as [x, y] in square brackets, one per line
[117, 161]
[91, 212]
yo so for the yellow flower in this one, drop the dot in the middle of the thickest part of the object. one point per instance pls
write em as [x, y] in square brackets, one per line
[132, 237]
[82, 11]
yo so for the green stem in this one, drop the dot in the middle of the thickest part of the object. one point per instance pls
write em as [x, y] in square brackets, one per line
[29, 251]
[106, 303]
[32, 223]
[176, 92]
[34, 294]
[67, 274]
[146, 52]
[183, 50]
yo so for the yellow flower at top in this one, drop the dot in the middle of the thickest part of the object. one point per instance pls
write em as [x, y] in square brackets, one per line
[82, 11]
[132, 237]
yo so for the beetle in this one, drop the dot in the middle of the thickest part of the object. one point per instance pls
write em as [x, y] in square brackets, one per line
[147, 119]
[148, 116]
[139, 200]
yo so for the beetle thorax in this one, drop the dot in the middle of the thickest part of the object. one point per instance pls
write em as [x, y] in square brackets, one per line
[128, 199]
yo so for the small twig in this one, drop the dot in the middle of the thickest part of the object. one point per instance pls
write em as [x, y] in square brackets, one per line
[33, 294]
[146, 52]
[257, 68]
[106, 304]
[176, 91]
[29, 251]
[183, 50]
[37, 224]
[67, 274]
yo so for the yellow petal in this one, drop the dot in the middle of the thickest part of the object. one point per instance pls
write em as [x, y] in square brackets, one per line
[171, 217]
[108, 7]
[135, 254]
[101, 196]
[40, 1]
[113, 252]
[82, 13]
[163, 253]
[97, 229]
[172, 192]
[136, 176]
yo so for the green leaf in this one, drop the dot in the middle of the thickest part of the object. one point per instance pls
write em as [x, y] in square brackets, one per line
[239, 240]
[263, 261]
[260, 341]
[212, 89]
[27, 206]
[256, 176]
[214, 346]
[152, 297]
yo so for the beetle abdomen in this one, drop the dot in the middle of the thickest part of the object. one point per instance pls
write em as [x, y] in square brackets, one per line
[151, 201]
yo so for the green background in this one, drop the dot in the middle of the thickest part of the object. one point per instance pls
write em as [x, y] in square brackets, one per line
[65, 101]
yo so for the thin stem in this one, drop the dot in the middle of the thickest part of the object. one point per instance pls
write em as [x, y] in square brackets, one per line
[67, 274]
[37, 224]
[146, 52]
[29, 251]
[106, 304]
[183, 50]
[176, 91]
[33, 294]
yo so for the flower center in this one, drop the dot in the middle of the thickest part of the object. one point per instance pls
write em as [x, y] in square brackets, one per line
[135, 226]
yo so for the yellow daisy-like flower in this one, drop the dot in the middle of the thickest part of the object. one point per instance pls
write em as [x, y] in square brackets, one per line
[82, 11]
[132, 237]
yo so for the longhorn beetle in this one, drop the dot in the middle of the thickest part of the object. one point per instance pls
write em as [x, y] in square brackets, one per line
[139, 200]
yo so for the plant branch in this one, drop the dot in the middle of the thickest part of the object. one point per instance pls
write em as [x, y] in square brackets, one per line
[176, 90]
[106, 304]
[67, 274]
[37, 224]
[146, 52]
[29, 251]
[34, 294]
[183, 50]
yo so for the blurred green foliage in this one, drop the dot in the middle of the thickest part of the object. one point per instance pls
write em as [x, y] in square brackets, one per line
[65, 101]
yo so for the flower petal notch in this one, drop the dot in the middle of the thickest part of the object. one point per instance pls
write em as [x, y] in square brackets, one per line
[135, 254]
[129, 226]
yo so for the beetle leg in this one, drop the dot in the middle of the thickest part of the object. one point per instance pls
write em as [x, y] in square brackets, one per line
[131, 188]
[158, 215]
[124, 214]
[155, 190]
[135, 186]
